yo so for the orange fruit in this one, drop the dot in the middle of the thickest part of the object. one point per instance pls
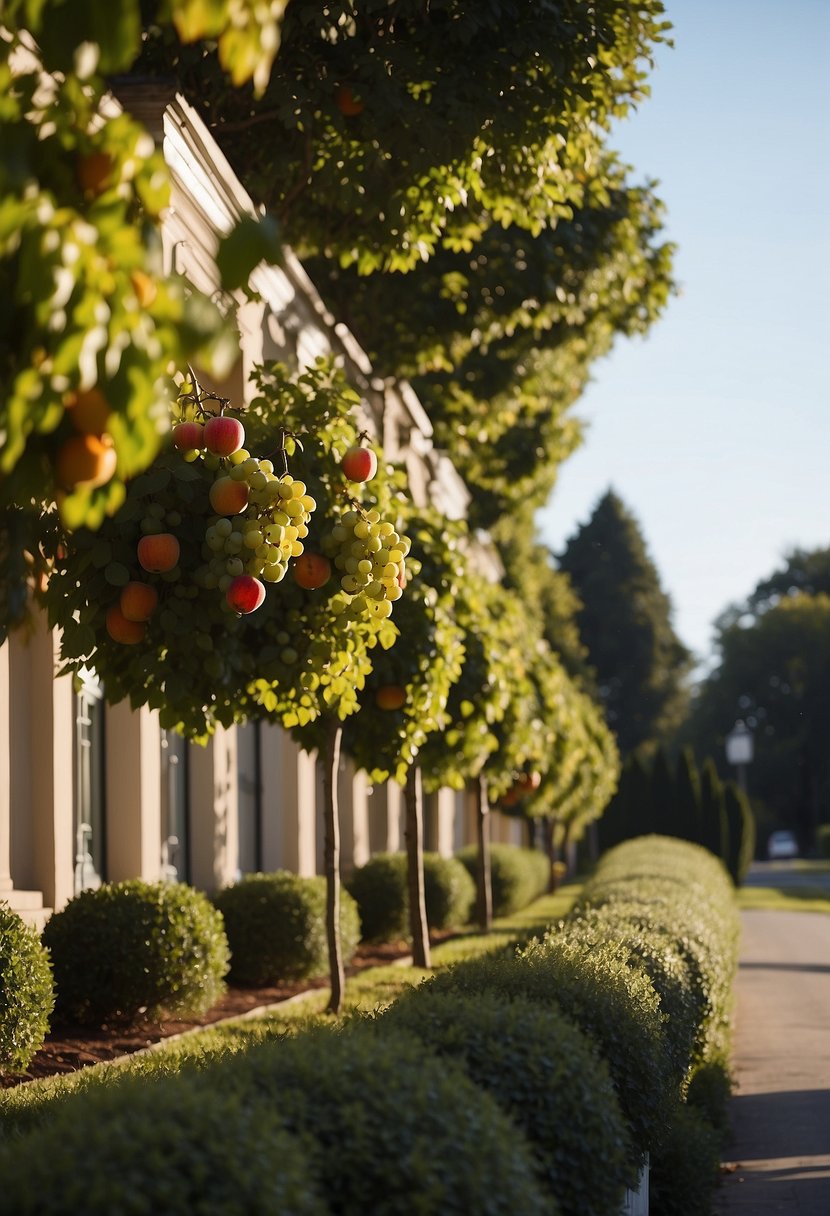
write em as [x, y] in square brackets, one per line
[85, 460]
[89, 411]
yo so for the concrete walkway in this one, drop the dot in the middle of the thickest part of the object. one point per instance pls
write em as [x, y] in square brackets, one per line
[780, 1114]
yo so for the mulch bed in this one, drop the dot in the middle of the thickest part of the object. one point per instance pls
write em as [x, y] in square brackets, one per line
[68, 1048]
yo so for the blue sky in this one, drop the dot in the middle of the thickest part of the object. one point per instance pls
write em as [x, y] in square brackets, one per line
[715, 429]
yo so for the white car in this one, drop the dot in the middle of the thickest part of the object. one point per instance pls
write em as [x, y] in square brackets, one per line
[782, 846]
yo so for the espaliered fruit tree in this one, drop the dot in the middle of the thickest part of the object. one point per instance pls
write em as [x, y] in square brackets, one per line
[406, 694]
[233, 585]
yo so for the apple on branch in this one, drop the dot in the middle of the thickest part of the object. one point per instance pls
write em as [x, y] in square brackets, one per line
[359, 463]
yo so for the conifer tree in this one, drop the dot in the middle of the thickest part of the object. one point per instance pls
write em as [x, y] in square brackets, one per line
[713, 812]
[625, 623]
[687, 823]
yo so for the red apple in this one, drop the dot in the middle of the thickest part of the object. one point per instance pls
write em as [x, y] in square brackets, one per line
[390, 696]
[224, 435]
[228, 497]
[138, 601]
[120, 629]
[188, 435]
[158, 553]
[359, 464]
[347, 103]
[312, 570]
[245, 594]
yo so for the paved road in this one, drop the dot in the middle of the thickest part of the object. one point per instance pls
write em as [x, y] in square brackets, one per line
[780, 1157]
[786, 875]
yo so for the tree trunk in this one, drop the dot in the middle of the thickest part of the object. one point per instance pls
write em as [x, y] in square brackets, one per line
[484, 886]
[331, 812]
[550, 849]
[414, 833]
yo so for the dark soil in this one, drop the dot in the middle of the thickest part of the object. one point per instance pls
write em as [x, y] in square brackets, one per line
[68, 1048]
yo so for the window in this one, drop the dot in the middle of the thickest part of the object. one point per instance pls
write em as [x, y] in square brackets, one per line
[175, 827]
[89, 781]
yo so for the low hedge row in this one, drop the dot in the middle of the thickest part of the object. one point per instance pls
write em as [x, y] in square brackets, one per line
[517, 875]
[532, 1082]
[276, 927]
[380, 889]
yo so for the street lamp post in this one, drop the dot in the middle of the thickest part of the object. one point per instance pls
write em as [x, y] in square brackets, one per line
[740, 750]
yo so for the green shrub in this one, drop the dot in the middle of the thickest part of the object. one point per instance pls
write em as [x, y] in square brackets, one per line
[651, 948]
[612, 1003]
[544, 1072]
[380, 889]
[276, 927]
[167, 1147]
[823, 840]
[710, 1089]
[26, 992]
[397, 1130]
[684, 1171]
[518, 875]
[135, 948]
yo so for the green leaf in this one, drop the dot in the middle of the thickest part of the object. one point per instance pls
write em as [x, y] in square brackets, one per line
[241, 251]
[117, 574]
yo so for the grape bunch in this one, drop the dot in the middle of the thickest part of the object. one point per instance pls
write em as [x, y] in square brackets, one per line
[260, 523]
[370, 555]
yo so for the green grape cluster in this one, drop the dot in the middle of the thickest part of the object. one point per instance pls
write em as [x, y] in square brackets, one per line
[370, 556]
[261, 539]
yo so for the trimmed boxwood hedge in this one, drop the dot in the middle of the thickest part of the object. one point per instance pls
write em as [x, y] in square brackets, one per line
[27, 994]
[397, 1131]
[545, 1073]
[615, 1005]
[136, 949]
[276, 927]
[164, 1146]
[380, 889]
[517, 875]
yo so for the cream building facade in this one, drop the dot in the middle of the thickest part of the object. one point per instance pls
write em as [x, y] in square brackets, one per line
[91, 792]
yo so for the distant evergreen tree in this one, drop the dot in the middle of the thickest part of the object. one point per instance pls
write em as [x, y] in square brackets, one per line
[625, 623]
[629, 809]
[687, 820]
[741, 832]
[715, 835]
[661, 802]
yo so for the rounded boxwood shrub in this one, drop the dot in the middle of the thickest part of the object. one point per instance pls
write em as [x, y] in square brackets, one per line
[26, 992]
[380, 889]
[517, 875]
[684, 1171]
[611, 1002]
[397, 1130]
[276, 927]
[653, 949]
[136, 949]
[170, 1146]
[545, 1073]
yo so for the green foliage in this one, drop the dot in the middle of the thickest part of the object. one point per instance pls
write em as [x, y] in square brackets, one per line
[395, 1130]
[133, 949]
[427, 663]
[544, 1073]
[685, 1169]
[498, 339]
[679, 887]
[773, 669]
[740, 831]
[380, 889]
[650, 947]
[276, 927]
[613, 1004]
[161, 1146]
[303, 654]
[26, 992]
[640, 664]
[823, 839]
[517, 875]
[421, 152]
